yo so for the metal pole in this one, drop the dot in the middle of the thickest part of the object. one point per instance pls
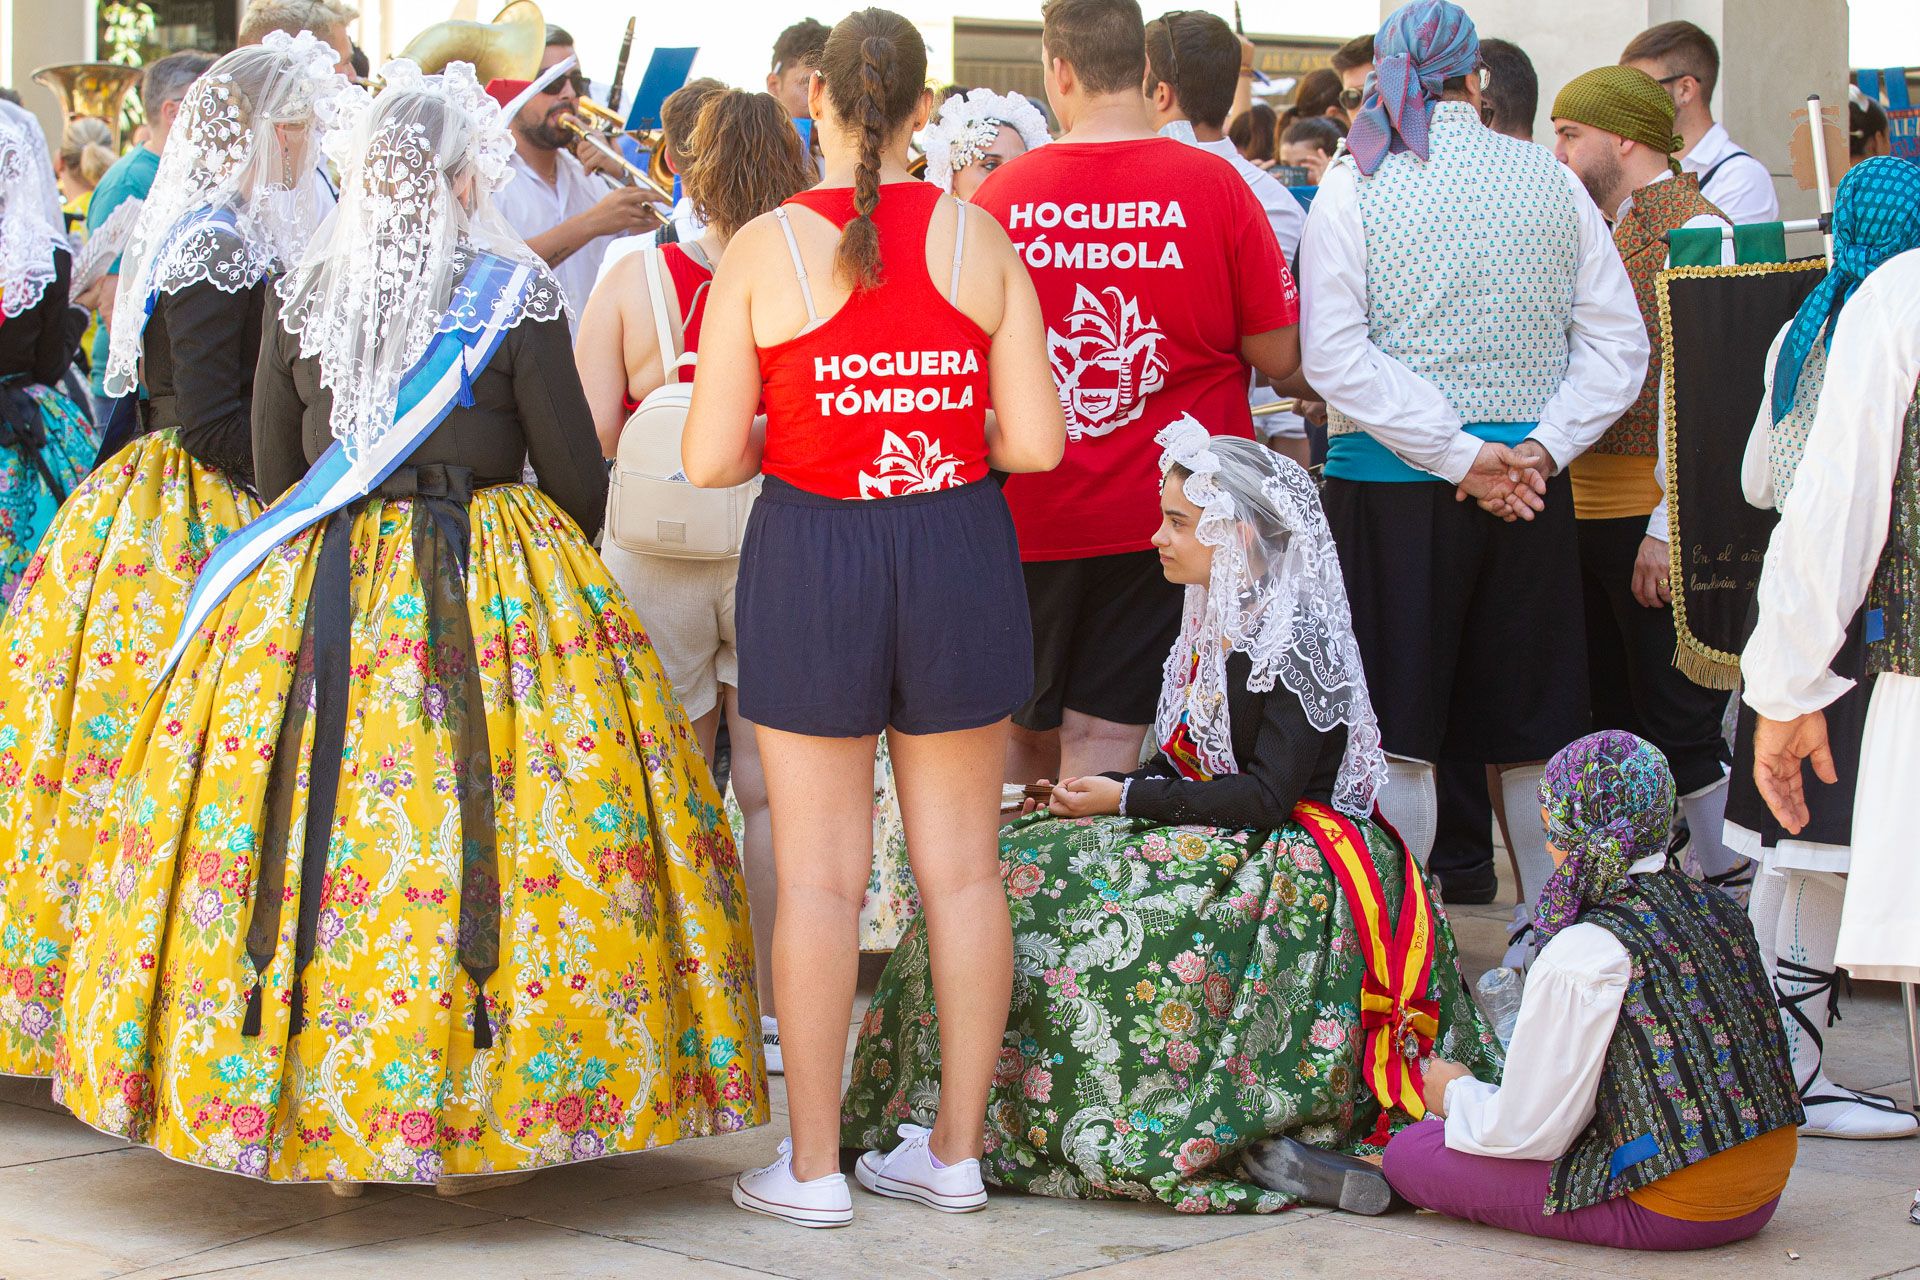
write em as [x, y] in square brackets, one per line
[1913, 1041]
[1817, 125]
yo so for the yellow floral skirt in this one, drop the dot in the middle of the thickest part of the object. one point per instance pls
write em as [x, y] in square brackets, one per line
[96, 609]
[621, 1013]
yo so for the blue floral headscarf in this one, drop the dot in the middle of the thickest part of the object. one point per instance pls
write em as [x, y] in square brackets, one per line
[1876, 216]
[1420, 46]
[1609, 801]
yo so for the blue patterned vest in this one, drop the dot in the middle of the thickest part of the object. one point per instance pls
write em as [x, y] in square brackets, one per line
[1893, 643]
[1698, 1063]
[1477, 249]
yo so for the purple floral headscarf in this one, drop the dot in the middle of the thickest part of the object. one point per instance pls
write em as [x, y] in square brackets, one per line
[1420, 46]
[1609, 801]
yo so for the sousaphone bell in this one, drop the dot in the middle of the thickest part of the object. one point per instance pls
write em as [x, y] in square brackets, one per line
[97, 89]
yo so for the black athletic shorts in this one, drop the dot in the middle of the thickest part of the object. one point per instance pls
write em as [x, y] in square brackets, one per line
[1102, 627]
[853, 616]
[1471, 629]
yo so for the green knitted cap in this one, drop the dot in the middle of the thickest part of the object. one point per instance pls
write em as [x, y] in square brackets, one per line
[1625, 101]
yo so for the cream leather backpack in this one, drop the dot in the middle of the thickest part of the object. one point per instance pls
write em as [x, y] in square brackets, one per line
[651, 508]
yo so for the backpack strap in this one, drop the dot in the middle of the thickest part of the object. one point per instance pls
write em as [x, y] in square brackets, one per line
[665, 331]
[959, 248]
[799, 267]
[1720, 164]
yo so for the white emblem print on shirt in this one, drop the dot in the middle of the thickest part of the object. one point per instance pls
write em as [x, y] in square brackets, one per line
[923, 466]
[1107, 362]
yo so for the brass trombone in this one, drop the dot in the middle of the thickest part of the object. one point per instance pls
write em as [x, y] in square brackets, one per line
[653, 141]
[638, 176]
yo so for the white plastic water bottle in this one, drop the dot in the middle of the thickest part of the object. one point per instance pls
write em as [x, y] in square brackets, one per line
[1499, 994]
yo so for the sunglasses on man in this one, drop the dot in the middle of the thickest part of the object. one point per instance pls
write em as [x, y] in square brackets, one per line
[574, 78]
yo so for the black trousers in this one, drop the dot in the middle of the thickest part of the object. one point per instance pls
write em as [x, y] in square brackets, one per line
[1630, 673]
[1463, 829]
[1469, 627]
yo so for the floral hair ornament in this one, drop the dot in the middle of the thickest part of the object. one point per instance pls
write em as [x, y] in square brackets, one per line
[1275, 594]
[966, 126]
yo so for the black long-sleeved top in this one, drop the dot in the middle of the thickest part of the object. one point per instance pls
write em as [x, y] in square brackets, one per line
[1283, 759]
[40, 341]
[527, 405]
[198, 355]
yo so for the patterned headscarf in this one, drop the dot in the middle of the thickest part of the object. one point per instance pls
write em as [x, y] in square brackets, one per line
[1420, 46]
[1876, 216]
[1625, 101]
[1609, 799]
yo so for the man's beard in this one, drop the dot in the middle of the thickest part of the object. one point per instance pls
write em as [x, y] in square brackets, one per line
[1603, 182]
[547, 133]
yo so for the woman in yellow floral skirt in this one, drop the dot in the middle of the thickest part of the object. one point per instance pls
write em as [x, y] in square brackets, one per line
[419, 871]
[102, 599]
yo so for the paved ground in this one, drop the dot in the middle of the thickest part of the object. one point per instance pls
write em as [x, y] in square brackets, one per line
[76, 1204]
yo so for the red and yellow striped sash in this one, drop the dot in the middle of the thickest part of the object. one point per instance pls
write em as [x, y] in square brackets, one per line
[1397, 1019]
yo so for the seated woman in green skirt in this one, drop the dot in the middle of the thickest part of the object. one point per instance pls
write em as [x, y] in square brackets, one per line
[1224, 947]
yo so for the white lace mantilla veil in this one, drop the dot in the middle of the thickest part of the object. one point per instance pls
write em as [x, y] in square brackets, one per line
[27, 239]
[40, 158]
[966, 125]
[226, 155]
[1276, 595]
[419, 165]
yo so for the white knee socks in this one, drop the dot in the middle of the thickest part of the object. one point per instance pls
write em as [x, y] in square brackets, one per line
[1411, 803]
[1520, 787]
[1804, 942]
[1804, 938]
[1706, 811]
[1763, 912]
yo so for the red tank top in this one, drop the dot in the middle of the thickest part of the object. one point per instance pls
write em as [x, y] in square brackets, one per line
[690, 286]
[888, 396]
[691, 283]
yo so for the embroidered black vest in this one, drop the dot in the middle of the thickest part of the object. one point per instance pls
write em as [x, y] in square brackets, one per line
[1698, 1063]
[1895, 592]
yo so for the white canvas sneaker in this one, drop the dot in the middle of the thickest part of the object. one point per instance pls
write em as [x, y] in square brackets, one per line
[774, 1191]
[908, 1173]
[770, 1045]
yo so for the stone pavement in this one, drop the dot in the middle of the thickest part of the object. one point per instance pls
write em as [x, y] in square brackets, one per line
[75, 1204]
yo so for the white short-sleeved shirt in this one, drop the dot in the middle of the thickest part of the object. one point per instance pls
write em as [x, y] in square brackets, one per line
[533, 208]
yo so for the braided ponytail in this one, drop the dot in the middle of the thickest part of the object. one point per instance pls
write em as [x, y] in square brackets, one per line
[875, 66]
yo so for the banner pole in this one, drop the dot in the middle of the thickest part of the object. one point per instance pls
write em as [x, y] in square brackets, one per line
[1817, 128]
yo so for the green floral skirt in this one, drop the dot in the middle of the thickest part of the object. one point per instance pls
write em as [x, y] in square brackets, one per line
[1179, 993]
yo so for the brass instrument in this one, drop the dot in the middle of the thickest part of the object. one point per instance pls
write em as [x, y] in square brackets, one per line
[636, 175]
[508, 48]
[654, 141]
[96, 89]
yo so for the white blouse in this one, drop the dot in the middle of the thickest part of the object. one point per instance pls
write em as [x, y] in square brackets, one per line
[1574, 991]
[1827, 545]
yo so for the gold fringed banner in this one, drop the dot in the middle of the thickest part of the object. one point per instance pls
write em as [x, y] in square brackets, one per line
[1716, 325]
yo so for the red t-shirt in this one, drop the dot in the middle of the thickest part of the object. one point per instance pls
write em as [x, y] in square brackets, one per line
[1152, 259]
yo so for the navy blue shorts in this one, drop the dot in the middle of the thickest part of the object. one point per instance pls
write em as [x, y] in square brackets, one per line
[854, 616]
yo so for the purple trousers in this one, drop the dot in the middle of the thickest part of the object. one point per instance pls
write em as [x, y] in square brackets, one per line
[1511, 1194]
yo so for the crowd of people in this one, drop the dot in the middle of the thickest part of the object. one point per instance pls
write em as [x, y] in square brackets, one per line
[487, 648]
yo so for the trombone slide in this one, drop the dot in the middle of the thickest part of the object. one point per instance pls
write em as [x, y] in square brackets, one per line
[635, 174]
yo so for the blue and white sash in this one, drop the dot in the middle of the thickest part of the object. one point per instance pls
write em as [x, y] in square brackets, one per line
[428, 393]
